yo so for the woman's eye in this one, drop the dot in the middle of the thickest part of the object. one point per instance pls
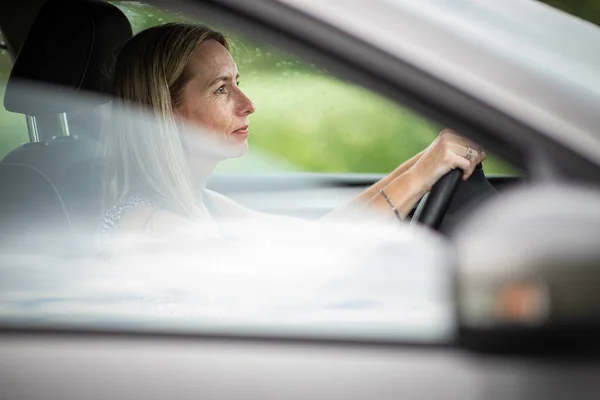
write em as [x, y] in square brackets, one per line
[221, 89]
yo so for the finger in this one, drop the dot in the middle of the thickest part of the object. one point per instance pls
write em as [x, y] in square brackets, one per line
[482, 156]
[462, 157]
[467, 174]
[469, 153]
[471, 170]
[472, 155]
[462, 163]
[471, 144]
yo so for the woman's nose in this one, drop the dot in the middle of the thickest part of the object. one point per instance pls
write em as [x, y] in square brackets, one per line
[247, 107]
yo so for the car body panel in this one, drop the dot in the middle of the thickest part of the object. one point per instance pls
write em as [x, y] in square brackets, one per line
[73, 366]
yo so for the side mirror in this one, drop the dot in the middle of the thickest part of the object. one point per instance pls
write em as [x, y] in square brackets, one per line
[528, 275]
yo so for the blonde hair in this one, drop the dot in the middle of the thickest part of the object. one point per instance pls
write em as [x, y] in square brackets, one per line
[145, 154]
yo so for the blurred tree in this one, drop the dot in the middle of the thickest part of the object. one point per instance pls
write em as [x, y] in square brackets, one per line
[588, 10]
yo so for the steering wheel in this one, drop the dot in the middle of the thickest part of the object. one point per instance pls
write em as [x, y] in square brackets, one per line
[453, 197]
[433, 206]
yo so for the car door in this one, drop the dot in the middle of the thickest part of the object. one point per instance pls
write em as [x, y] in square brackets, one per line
[63, 337]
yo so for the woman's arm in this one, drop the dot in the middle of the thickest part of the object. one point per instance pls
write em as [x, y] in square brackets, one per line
[229, 208]
[404, 186]
[368, 195]
[409, 182]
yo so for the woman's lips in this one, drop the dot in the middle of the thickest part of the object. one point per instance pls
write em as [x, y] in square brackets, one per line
[244, 131]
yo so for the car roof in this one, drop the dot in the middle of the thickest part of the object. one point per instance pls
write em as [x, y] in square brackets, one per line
[525, 59]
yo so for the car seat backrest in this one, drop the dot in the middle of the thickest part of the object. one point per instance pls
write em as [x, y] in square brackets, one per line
[34, 217]
[63, 69]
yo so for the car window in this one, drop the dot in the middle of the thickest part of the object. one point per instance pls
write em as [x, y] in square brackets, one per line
[13, 127]
[308, 120]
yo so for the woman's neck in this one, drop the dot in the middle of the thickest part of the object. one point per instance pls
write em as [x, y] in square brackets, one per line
[202, 169]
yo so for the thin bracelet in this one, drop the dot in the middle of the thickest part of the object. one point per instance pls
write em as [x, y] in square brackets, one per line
[391, 204]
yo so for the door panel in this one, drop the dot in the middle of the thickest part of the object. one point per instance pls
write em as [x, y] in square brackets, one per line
[136, 367]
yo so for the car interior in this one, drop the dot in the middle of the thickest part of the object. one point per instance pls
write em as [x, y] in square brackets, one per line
[55, 179]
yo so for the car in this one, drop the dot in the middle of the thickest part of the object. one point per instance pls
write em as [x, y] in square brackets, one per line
[491, 299]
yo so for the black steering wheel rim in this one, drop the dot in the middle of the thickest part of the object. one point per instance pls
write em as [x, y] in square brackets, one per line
[433, 206]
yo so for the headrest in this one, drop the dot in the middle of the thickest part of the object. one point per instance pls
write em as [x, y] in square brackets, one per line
[73, 44]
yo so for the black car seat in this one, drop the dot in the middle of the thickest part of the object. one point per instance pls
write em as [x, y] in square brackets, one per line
[61, 73]
[33, 223]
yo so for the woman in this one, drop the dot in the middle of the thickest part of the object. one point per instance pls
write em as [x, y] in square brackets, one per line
[185, 75]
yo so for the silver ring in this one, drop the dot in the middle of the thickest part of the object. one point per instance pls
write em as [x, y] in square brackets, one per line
[469, 153]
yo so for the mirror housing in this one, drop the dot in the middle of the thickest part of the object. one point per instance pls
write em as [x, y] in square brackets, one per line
[528, 275]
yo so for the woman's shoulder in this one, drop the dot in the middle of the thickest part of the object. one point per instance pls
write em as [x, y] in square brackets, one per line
[224, 207]
[123, 210]
[138, 214]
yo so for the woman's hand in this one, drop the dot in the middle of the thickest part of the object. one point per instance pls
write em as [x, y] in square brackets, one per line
[447, 152]
[415, 177]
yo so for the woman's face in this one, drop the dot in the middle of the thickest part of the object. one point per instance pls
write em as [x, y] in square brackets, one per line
[213, 99]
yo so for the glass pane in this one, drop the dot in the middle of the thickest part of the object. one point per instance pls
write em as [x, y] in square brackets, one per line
[308, 120]
[13, 127]
[373, 280]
